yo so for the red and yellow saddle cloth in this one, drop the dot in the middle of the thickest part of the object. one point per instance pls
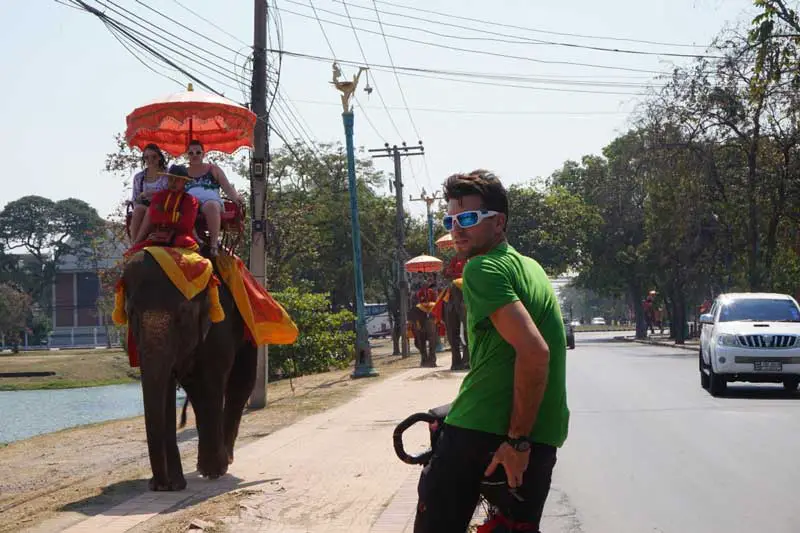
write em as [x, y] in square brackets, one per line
[438, 308]
[267, 321]
[190, 272]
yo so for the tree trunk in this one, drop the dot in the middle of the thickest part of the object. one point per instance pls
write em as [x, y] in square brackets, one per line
[635, 294]
[679, 316]
[753, 264]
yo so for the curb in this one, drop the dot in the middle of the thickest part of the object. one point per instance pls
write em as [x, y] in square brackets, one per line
[658, 343]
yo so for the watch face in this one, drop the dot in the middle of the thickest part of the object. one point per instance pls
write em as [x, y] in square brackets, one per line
[523, 446]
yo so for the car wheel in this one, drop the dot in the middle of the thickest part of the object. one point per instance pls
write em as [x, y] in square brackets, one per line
[791, 384]
[717, 385]
[704, 380]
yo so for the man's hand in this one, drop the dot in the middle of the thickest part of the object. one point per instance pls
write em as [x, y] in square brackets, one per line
[515, 463]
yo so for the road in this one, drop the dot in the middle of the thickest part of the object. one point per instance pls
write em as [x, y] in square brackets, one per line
[650, 451]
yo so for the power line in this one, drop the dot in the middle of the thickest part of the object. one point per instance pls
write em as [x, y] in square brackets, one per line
[485, 52]
[374, 81]
[212, 24]
[330, 47]
[180, 24]
[485, 75]
[112, 31]
[409, 71]
[159, 40]
[483, 112]
[536, 30]
[503, 37]
[122, 29]
[396, 77]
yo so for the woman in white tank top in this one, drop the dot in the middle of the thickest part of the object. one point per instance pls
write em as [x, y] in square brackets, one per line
[146, 183]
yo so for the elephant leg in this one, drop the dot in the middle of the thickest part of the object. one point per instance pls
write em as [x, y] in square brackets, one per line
[432, 341]
[241, 381]
[173, 455]
[154, 391]
[455, 342]
[205, 394]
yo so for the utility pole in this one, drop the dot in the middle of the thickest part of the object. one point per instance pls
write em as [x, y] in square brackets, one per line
[258, 181]
[428, 202]
[363, 366]
[402, 283]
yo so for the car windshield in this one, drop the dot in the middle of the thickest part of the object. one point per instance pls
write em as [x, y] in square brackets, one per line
[760, 310]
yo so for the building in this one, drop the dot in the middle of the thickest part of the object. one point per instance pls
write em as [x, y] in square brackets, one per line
[76, 289]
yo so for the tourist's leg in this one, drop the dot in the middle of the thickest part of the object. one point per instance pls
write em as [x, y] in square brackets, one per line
[137, 216]
[212, 211]
[449, 485]
[527, 504]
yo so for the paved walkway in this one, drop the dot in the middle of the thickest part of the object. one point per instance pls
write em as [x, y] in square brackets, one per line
[334, 471]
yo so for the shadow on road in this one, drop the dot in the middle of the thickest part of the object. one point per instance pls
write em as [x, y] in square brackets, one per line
[758, 392]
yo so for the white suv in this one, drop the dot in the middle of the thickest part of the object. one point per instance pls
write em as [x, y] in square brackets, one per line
[750, 337]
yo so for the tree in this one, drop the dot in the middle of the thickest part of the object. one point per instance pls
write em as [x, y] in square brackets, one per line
[46, 230]
[15, 306]
[553, 226]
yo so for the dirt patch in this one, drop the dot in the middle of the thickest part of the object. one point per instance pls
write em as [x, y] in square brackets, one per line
[104, 464]
[82, 368]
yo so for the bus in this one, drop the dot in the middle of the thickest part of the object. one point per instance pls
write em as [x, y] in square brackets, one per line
[377, 319]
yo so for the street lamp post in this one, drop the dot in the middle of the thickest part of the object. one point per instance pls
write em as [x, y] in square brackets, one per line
[363, 364]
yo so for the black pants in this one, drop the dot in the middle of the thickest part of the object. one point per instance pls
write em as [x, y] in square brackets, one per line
[450, 485]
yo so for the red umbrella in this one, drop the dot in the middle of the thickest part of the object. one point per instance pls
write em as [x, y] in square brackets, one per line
[220, 124]
[445, 241]
[424, 263]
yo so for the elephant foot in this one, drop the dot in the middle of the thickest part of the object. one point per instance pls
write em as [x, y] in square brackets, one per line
[215, 468]
[177, 483]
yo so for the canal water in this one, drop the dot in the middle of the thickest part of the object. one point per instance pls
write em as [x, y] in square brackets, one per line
[24, 414]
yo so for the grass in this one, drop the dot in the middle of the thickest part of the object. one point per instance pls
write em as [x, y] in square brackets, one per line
[78, 368]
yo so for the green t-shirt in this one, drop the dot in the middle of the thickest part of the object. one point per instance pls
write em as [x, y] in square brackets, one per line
[484, 401]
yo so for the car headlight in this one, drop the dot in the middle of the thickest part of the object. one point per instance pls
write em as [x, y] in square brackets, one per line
[726, 339]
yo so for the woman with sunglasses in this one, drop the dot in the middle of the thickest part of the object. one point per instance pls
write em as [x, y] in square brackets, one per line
[146, 183]
[207, 180]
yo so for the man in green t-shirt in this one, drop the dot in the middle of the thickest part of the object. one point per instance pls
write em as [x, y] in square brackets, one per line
[511, 413]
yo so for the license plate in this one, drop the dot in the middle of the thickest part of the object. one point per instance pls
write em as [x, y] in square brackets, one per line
[768, 366]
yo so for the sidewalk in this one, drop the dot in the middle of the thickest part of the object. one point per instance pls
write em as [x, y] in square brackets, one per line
[663, 340]
[334, 471]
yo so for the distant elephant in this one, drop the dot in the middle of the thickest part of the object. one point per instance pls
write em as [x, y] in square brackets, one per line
[423, 326]
[177, 342]
[455, 320]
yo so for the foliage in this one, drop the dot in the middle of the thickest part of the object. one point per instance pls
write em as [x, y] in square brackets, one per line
[47, 231]
[325, 342]
[15, 306]
[552, 226]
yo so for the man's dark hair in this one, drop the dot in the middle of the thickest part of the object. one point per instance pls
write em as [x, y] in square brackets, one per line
[482, 183]
[195, 142]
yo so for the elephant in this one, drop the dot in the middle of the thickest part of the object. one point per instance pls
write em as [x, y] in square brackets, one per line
[455, 318]
[178, 344]
[423, 325]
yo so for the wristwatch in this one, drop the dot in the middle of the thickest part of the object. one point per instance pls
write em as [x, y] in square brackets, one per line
[521, 444]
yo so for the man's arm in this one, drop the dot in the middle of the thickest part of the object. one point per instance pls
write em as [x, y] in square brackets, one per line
[516, 326]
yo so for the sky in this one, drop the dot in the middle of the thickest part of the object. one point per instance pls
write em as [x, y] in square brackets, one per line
[68, 84]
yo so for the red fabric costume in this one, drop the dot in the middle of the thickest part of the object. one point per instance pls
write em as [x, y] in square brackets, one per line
[426, 294]
[455, 268]
[172, 212]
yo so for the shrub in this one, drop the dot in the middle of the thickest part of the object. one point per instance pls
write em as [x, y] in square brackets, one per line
[323, 342]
